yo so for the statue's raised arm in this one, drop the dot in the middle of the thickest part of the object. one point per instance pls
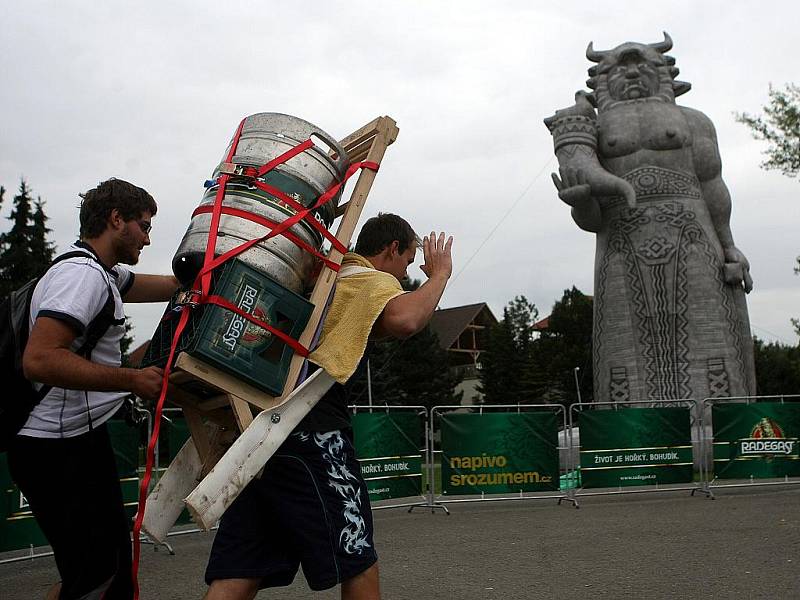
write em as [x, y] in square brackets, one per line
[583, 179]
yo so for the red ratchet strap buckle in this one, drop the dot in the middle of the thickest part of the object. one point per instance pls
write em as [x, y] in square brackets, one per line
[189, 298]
[227, 168]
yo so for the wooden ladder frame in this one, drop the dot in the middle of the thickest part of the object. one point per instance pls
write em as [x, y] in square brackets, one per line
[212, 426]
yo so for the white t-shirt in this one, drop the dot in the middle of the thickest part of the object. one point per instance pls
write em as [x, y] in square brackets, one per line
[74, 291]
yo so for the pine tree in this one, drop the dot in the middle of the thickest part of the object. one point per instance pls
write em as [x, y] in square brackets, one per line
[497, 375]
[16, 243]
[564, 345]
[503, 363]
[41, 250]
[25, 252]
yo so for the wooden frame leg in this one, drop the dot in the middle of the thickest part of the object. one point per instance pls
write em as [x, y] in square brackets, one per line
[241, 412]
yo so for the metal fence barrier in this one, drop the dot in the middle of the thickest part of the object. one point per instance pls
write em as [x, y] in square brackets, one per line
[752, 441]
[497, 452]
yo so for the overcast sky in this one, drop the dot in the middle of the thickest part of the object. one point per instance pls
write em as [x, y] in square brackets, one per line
[151, 92]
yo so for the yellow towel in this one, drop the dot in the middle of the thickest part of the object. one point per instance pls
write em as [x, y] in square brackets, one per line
[361, 294]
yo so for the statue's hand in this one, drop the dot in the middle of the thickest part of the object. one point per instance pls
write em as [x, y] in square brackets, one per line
[572, 187]
[737, 269]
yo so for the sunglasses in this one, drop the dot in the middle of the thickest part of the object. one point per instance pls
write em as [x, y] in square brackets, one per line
[145, 226]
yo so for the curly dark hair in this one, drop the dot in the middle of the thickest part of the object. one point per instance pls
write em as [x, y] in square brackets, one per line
[378, 232]
[97, 204]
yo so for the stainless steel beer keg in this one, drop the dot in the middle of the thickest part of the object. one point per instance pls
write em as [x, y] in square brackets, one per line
[304, 177]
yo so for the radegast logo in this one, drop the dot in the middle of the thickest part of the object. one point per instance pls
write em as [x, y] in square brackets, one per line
[767, 439]
[240, 329]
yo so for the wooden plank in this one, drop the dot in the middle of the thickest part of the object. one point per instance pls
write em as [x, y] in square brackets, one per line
[223, 381]
[199, 432]
[214, 402]
[248, 454]
[165, 502]
[179, 377]
[241, 412]
[219, 440]
[360, 134]
[359, 152]
[341, 209]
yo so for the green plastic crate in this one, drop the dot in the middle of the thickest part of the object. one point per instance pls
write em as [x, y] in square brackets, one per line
[230, 342]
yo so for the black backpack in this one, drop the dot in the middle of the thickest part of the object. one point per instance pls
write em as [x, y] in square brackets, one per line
[19, 397]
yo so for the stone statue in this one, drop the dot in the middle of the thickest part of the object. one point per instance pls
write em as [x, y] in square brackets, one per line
[644, 174]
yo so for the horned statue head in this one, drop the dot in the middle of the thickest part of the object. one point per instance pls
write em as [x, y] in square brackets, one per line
[632, 71]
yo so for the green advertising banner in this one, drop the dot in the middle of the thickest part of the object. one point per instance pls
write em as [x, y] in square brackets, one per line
[756, 440]
[498, 453]
[635, 446]
[18, 528]
[387, 445]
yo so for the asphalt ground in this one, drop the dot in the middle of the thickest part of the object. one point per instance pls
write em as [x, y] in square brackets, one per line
[743, 545]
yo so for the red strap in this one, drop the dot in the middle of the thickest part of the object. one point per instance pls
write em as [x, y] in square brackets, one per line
[264, 169]
[288, 223]
[211, 244]
[145, 483]
[289, 341]
[243, 214]
[298, 207]
[334, 189]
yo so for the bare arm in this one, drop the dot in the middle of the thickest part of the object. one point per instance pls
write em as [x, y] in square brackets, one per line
[49, 360]
[152, 288]
[408, 314]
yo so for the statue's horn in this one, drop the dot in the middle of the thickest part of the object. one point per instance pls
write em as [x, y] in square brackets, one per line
[592, 55]
[664, 46]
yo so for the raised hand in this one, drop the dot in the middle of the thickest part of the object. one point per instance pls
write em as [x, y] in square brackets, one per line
[436, 253]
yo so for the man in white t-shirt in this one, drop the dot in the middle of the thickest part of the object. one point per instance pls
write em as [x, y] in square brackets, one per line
[62, 458]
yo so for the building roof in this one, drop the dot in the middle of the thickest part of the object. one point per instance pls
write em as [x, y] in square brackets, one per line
[449, 323]
[543, 324]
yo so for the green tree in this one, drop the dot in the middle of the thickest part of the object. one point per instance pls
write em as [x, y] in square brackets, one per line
[503, 362]
[521, 316]
[25, 252]
[42, 250]
[779, 126]
[498, 376]
[777, 368]
[563, 346]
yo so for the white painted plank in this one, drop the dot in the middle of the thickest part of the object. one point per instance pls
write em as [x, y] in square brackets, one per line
[165, 502]
[253, 448]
